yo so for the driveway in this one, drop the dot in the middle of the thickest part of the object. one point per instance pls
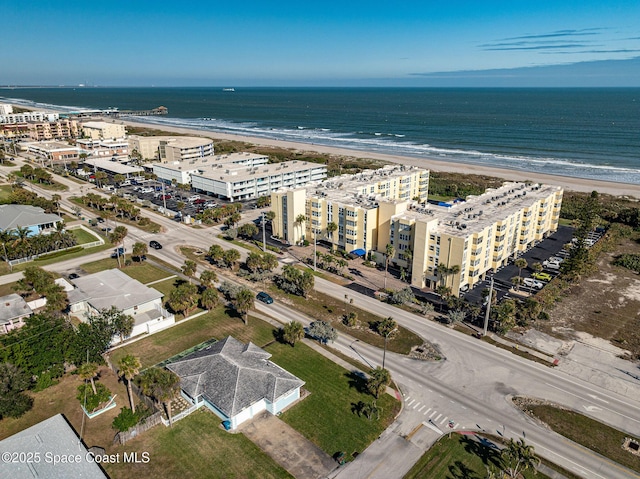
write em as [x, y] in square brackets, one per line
[299, 456]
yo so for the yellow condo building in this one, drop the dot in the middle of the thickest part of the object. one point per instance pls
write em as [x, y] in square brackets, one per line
[455, 245]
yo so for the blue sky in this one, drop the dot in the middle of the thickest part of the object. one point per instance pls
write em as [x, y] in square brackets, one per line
[312, 43]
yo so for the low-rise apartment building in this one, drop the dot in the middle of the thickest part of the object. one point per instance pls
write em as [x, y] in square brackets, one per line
[171, 148]
[237, 181]
[53, 151]
[41, 131]
[101, 129]
[28, 116]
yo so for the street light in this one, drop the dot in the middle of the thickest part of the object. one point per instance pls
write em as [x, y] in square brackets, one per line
[264, 235]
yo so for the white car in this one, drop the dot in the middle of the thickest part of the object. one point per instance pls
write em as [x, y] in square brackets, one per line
[533, 283]
[551, 265]
[193, 198]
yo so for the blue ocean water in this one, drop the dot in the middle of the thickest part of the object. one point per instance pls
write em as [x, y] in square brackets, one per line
[587, 133]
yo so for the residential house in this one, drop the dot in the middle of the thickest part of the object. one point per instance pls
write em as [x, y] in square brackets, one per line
[13, 311]
[96, 292]
[32, 218]
[236, 381]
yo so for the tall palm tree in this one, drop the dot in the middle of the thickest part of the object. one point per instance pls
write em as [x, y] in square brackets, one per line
[332, 228]
[243, 302]
[300, 221]
[521, 264]
[189, 269]
[389, 252]
[129, 367]
[518, 457]
[162, 385]
[293, 332]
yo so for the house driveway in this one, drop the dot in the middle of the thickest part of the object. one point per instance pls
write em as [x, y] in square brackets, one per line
[299, 456]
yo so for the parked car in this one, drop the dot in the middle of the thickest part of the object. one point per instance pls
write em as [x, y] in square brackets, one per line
[542, 276]
[146, 189]
[533, 283]
[264, 297]
[551, 265]
[154, 244]
[100, 220]
[193, 198]
[118, 252]
[74, 276]
[165, 197]
[199, 201]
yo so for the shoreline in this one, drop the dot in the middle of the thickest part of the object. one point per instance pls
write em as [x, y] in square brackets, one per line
[435, 165]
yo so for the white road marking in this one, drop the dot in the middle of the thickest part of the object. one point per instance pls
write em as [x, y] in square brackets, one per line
[410, 402]
[598, 398]
[439, 416]
[431, 415]
[416, 405]
[425, 413]
[443, 420]
[420, 410]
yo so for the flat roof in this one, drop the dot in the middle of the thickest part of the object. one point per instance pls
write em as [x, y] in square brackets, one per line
[51, 145]
[478, 212]
[227, 173]
[212, 161]
[113, 166]
[186, 141]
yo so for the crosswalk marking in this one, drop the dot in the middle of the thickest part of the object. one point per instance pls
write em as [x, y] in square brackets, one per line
[425, 413]
[439, 416]
[420, 410]
[431, 415]
[410, 402]
[416, 405]
[443, 420]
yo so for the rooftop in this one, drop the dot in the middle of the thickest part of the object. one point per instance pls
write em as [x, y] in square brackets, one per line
[53, 437]
[236, 173]
[112, 287]
[478, 212]
[13, 306]
[12, 216]
[233, 376]
[230, 161]
[113, 166]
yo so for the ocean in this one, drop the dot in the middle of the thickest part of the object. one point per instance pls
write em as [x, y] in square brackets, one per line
[583, 133]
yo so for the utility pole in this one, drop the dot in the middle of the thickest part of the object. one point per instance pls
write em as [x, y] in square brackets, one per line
[164, 200]
[486, 317]
[264, 235]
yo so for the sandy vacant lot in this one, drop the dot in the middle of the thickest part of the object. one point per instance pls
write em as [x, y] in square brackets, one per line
[605, 305]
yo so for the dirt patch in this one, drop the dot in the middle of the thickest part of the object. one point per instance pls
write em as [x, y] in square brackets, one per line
[604, 305]
[287, 447]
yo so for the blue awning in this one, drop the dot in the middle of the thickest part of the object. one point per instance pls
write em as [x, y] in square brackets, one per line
[358, 252]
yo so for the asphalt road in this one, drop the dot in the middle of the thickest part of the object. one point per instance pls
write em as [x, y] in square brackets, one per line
[472, 386]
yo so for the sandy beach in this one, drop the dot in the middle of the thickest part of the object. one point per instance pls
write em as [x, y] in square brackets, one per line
[575, 184]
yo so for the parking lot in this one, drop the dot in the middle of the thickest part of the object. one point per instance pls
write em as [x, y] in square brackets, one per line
[553, 246]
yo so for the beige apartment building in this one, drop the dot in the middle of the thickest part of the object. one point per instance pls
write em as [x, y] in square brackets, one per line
[351, 202]
[456, 244]
[171, 148]
[98, 130]
[41, 131]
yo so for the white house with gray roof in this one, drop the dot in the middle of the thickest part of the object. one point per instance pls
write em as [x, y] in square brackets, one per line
[49, 439]
[32, 218]
[98, 291]
[13, 311]
[236, 381]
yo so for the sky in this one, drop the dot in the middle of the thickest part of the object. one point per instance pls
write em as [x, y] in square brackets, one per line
[314, 43]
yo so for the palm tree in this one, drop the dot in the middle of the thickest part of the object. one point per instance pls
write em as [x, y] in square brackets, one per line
[162, 385]
[518, 457]
[243, 302]
[209, 298]
[89, 371]
[389, 252]
[407, 255]
[385, 328]
[300, 221]
[293, 332]
[379, 379]
[521, 264]
[139, 249]
[332, 228]
[516, 281]
[208, 277]
[129, 367]
[189, 269]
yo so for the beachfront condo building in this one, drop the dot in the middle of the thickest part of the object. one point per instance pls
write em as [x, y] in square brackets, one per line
[350, 202]
[180, 171]
[98, 130]
[41, 130]
[251, 179]
[171, 148]
[28, 116]
[455, 244]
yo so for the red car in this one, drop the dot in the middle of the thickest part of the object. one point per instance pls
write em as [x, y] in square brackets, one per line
[200, 201]
[165, 197]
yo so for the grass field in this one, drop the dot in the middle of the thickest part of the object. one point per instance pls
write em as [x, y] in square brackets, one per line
[327, 416]
[588, 432]
[5, 191]
[214, 324]
[196, 446]
[143, 272]
[83, 237]
[459, 457]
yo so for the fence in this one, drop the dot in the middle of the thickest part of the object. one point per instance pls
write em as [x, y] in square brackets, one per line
[181, 415]
[151, 421]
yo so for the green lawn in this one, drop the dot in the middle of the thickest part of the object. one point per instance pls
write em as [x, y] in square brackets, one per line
[327, 417]
[5, 191]
[215, 324]
[458, 457]
[196, 446]
[83, 237]
[588, 432]
[145, 272]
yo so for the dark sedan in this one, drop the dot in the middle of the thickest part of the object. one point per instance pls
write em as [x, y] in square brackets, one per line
[155, 245]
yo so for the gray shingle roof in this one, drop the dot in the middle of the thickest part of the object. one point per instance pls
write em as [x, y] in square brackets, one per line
[233, 376]
[112, 288]
[13, 306]
[12, 216]
[53, 436]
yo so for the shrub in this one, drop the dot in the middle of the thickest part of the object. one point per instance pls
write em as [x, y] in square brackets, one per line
[351, 319]
[92, 400]
[125, 420]
[144, 221]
